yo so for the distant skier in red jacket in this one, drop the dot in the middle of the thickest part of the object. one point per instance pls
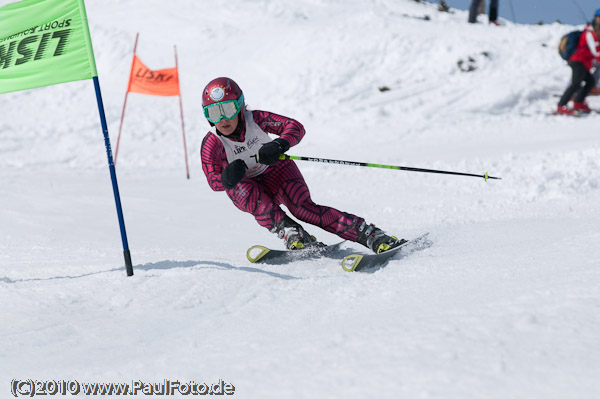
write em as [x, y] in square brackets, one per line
[240, 158]
[580, 62]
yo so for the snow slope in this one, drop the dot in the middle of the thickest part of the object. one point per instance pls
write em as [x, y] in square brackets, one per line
[505, 304]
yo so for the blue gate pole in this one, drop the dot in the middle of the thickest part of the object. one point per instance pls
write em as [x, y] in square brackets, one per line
[113, 177]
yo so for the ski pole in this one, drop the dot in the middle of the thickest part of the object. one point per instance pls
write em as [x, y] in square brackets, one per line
[512, 10]
[580, 11]
[375, 165]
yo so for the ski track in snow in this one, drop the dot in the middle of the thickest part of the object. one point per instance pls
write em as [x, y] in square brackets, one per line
[504, 304]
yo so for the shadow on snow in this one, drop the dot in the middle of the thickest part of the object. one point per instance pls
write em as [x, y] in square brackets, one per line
[162, 265]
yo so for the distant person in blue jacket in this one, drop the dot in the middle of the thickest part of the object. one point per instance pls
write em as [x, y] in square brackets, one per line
[493, 15]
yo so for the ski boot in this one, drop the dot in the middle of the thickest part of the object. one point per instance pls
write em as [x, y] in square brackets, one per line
[582, 107]
[376, 240]
[564, 110]
[293, 235]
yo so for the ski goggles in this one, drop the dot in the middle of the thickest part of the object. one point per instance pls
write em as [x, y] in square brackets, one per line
[597, 14]
[225, 109]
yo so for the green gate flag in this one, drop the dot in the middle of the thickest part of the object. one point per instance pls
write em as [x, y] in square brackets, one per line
[44, 42]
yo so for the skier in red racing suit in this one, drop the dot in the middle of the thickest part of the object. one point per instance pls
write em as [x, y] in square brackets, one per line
[240, 158]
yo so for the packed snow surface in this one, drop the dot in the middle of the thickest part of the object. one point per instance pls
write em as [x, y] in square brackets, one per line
[504, 304]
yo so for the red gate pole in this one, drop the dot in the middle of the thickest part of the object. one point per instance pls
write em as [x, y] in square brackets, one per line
[126, 94]
[187, 169]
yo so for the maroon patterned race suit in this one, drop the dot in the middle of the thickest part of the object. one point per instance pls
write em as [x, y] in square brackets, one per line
[280, 183]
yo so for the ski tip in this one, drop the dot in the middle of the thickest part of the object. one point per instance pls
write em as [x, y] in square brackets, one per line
[350, 262]
[262, 251]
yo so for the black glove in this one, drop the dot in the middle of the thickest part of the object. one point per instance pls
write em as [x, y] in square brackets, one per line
[233, 173]
[269, 153]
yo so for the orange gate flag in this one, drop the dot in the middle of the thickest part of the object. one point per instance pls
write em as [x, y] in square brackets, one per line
[164, 82]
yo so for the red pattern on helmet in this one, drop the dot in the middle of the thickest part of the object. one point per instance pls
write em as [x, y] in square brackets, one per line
[220, 89]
